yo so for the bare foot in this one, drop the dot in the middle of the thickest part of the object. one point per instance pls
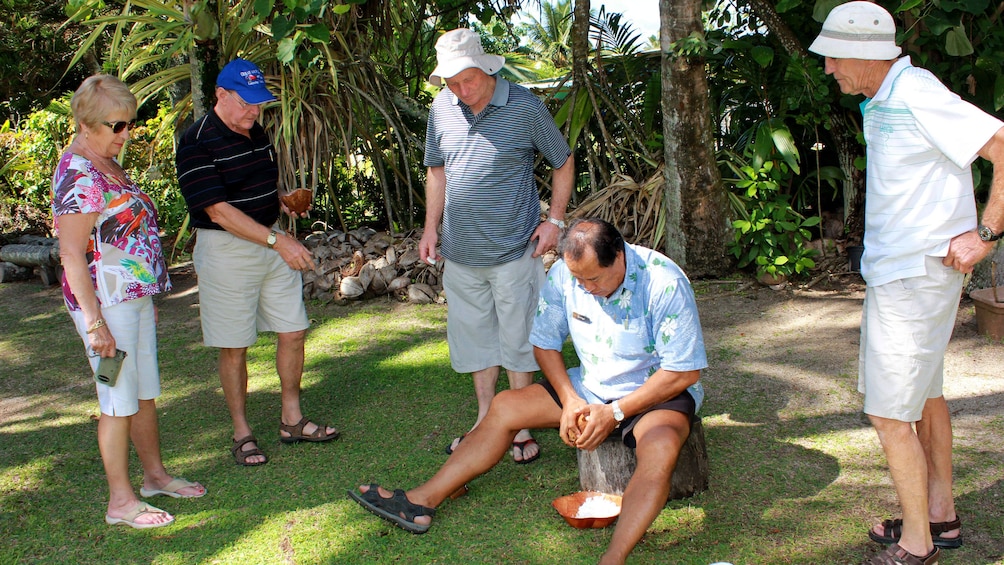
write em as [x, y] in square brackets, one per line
[528, 451]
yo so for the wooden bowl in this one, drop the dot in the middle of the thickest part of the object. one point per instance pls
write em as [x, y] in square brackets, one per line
[299, 200]
[568, 506]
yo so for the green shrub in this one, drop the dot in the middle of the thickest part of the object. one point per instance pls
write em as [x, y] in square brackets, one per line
[770, 235]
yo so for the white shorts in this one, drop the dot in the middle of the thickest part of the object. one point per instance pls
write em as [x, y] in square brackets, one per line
[134, 327]
[244, 288]
[905, 328]
[490, 313]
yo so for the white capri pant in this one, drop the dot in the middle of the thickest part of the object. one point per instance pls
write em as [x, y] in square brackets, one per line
[134, 327]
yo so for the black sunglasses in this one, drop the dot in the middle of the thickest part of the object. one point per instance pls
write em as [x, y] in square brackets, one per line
[117, 127]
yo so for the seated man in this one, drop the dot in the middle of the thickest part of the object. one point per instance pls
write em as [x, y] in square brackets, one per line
[633, 320]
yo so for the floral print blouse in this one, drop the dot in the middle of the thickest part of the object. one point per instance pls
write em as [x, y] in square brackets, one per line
[124, 253]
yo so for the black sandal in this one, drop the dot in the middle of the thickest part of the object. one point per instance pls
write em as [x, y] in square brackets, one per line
[241, 456]
[396, 509]
[892, 531]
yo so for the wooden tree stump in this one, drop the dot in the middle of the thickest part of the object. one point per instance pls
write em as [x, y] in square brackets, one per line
[609, 467]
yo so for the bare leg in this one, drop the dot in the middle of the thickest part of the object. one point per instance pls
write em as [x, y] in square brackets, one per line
[935, 433]
[289, 365]
[146, 438]
[660, 436]
[485, 382]
[518, 380]
[113, 442]
[234, 380]
[908, 466]
[512, 410]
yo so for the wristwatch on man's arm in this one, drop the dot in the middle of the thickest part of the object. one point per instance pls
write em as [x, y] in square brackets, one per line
[987, 234]
[271, 239]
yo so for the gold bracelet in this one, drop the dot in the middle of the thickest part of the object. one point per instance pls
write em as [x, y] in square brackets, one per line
[99, 323]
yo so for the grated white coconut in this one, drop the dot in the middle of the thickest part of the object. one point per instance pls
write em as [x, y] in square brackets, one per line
[597, 507]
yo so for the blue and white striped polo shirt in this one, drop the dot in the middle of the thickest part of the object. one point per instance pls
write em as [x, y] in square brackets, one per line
[492, 204]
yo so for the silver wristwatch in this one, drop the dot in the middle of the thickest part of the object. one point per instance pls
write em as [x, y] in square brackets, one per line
[618, 414]
[987, 234]
[557, 222]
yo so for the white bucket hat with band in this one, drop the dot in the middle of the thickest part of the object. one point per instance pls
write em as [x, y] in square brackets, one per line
[459, 50]
[858, 30]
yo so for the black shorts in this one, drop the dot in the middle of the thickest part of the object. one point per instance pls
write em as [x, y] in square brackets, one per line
[683, 403]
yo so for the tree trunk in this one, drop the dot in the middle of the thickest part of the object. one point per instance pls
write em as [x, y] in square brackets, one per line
[695, 205]
[205, 61]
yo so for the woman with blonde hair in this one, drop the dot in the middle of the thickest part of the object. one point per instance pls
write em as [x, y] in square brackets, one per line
[113, 265]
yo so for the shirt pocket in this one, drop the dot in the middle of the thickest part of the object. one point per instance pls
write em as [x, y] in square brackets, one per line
[630, 338]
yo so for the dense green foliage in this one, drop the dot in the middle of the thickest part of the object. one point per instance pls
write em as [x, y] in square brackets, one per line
[354, 96]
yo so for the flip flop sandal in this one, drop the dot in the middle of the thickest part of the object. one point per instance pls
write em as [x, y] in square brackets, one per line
[896, 555]
[171, 489]
[140, 509]
[241, 456]
[449, 446]
[522, 448]
[296, 432]
[397, 509]
[892, 530]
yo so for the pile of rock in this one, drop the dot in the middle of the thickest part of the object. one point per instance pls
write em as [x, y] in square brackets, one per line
[364, 263]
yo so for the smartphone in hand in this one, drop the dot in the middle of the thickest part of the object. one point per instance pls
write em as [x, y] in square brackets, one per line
[108, 369]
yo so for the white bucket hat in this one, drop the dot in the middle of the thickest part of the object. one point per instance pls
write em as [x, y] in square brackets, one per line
[858, 30]
[459, 50]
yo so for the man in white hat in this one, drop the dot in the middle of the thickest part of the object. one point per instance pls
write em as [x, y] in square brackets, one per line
[922, 235]
[483, 136]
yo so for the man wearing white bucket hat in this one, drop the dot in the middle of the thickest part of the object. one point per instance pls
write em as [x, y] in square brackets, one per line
[921, 237]
[483, 136]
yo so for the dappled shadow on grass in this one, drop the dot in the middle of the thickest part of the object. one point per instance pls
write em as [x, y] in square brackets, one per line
[796, 474]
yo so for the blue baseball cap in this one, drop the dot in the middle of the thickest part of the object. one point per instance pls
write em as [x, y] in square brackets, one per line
[246, 79]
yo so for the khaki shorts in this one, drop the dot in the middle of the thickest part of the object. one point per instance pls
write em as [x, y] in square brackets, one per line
[905, 328]
[134, 327]
[244, 288]
[490, 312]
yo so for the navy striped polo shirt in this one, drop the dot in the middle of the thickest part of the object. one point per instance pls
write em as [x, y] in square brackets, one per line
[216, 164]
[492, 203]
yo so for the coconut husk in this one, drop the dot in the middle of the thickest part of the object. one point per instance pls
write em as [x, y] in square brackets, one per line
[299, 200]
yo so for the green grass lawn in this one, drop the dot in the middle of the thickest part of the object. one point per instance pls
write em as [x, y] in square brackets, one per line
[796, 475]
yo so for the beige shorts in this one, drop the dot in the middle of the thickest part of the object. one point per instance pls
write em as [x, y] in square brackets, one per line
[134, 327]
[905, 328]
[490, 313]
[244, 288]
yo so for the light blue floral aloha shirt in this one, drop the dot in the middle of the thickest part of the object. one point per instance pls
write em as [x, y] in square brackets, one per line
[649, 322]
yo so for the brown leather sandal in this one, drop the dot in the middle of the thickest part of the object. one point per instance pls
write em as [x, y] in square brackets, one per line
[296, 432]
[896, 555]
[241, 456]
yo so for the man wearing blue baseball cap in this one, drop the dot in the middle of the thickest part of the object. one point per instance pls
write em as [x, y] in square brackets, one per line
[248, 268]
[922, 235]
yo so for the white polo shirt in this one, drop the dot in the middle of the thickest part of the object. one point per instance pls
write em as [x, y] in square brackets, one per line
[921, 141]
